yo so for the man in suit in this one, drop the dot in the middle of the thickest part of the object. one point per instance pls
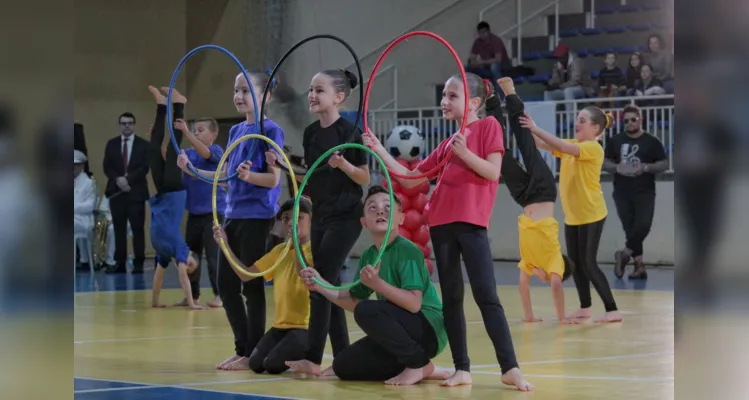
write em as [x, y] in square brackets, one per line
[126, 167]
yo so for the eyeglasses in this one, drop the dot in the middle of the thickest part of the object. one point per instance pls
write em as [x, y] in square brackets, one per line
[628, 120]
[128, 123]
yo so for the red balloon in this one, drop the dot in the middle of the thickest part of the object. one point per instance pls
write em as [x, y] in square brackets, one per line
[424, 217]
[412, 220]
[423, 187]
[405, 233]
[419, 202]
[425, 250]
[406, 202]
[430, 266]
[421, 235]
[396, 186]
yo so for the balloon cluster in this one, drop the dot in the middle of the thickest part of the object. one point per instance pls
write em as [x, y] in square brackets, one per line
[414, 200]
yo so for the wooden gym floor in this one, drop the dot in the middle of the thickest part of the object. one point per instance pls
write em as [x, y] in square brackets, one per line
[126, 350]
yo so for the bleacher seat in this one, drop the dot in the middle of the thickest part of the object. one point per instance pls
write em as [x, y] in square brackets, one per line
[549, 55]
[628, 8]
[582, 53]
[602, 51]
[539, 78]
[590, 31]
[532, 56]
[518, 80]
[614, 29]
[605, 10]
[626, 49]
[569, 32]
[595, 74]
[639, 27]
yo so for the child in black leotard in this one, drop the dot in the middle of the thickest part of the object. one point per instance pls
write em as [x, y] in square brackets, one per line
[535, 189]
[168, 204]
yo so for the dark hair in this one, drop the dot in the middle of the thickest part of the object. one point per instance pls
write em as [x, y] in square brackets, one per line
[261, 77]
[661, 44]
[343, 80]
[598, 117]
[646, 65]
[305, 206]
[631, 108]
[126, 115]
[212, 124]
[483, 25]
[639, 57]
[569, 268]
[376, 189]
[612, 53]
[477, 86]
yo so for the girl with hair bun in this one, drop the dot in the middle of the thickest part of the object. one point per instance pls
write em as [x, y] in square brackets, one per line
[336, 193]
[583, 204]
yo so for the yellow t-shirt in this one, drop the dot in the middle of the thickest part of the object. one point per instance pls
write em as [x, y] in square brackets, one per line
[580, 184]
[290, 295]
[539, 246]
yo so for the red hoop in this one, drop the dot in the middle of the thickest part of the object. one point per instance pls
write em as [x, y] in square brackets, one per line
[444, 161]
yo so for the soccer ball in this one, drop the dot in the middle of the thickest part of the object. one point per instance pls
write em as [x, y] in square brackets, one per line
[405, 142]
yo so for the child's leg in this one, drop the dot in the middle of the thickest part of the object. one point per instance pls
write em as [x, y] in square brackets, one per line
[407, 336]
[525, 297]
[447, 255]
[366, 360]
[230, 287]
[155, 160]
[291, 346]
[266, 344]
[532, 159]
[158, 281]
[172, 173]
[211, 255]
[194, 240]
[590, 235]
[252, 247]
[580, 275]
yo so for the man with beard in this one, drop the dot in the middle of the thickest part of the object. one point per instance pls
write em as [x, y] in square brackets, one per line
[634, 157]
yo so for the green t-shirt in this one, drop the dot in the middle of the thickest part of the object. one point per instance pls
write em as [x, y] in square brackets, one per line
[403, 266]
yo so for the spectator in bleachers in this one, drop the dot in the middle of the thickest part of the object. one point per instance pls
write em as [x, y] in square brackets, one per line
[569, 79]
[488, 58]
[611, 80]
[648, 85]
[636, 62]
[659, 59]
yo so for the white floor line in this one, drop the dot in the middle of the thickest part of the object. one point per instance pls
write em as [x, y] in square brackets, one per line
[567, 360]
[190, 386]
[117, 389]
[602, 378]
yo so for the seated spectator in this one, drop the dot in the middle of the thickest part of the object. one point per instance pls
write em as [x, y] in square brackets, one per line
[488, 57]
[84, 201]
[661, 61]
[569, 79]
[611, 81]
[648, 85]
[633, 72]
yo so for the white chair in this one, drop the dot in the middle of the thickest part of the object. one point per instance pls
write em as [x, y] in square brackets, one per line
[86, 237]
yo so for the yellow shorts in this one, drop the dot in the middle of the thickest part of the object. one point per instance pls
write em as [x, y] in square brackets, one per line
[539, 246]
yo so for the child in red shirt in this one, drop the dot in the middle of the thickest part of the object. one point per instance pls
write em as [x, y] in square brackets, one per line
[458, 216]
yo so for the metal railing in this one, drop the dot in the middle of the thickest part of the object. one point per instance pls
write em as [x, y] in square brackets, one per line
[658, 120]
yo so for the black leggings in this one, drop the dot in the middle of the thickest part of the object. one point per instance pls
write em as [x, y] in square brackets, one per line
[331, 244]
[395, 340]
[276, 347]
[199, 238]
[450, 241]
[166, 175]
[582, 249]
[636, 213]
[246, 238]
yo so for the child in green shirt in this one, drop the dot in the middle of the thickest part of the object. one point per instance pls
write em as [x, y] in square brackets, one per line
[404, 326]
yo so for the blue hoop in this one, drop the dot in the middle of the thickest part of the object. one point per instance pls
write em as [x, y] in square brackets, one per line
[169, 102]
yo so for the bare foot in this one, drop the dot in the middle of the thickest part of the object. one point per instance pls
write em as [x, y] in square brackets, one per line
[328, 373]
[181, 303]
[160, 99]
[609, 317]
[215, 303]
[457, 379]
[241, 364]
[581, 313]
[227, 362]
[411, 376]
[515, 378]
[569, 321]
[506, 85]
[532, 319]
[304, 367]
[177, 97]
[439, 375]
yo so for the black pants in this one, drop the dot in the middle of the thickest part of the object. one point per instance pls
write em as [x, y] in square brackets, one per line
[246, 238]
[395, 340]
[124, 209]
[276, 347]
[450, 241]
[166, 175]
[582, 249]
[199, 237]
[331, 244]
[636, 213]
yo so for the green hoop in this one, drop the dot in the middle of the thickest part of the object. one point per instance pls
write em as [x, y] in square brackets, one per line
[295, 219]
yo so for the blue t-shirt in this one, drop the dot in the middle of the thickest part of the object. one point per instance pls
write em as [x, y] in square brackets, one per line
[199, 191]
[243, 199]
[166, 217]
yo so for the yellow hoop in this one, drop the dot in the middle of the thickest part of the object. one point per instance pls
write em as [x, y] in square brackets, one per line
[222, 243]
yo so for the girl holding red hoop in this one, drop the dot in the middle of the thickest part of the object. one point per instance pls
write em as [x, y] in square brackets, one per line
[458, 216]
[336, 193]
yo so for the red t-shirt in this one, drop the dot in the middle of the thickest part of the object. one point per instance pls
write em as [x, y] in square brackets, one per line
[461, 194]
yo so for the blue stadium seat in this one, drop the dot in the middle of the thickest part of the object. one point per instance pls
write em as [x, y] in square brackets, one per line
[539, 78]
[518, 80]
[532, 56]
[532, 99]
[639, 27]
[569, 32]
[605, 10]
[614, 29]
[582, 53]
[602, 51]
[628, 8]
[595, 74]
[590, 31]
[626, 49]
[549, 55]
